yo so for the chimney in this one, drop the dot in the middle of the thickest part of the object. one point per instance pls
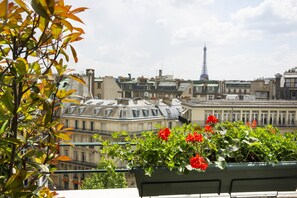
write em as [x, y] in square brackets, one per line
[129, 76]
[160, 72]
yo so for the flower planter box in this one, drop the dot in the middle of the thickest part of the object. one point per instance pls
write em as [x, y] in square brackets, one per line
[236, 177]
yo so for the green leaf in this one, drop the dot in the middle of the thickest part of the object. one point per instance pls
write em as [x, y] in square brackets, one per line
[39, 9]
[56, 30]
[7, 99]
[74, 53]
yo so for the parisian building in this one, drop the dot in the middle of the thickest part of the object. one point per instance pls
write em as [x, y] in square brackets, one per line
[104, 117]
[279, 113]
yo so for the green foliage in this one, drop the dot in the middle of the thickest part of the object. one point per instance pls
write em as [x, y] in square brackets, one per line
[110, 179]
[222, 143]
[33, 41]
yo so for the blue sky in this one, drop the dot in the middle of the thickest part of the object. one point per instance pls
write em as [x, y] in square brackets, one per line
[246, 39]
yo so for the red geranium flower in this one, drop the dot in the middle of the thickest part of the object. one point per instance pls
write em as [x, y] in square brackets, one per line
[208, 128]
[198, 162]
[196, 137]
[164, 133]
[211, 120]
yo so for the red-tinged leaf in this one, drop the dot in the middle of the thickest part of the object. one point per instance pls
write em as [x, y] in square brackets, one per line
[78, 10]
[74, 53]
[67, 24]
[3, 9]
[60, 9]
[71, 16]
[78, 79]
[63, 158]
[80, 30]
[60, 2]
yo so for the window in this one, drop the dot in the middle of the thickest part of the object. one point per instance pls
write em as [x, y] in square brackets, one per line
[76, 124]
[273, 117]
[75, 182]
[81, 110]
[154, 112]
[282, 118]
[264, 118]
[71, 109]
[92, 126]
[75, 155]
[255, 115]
[91, 157]
[107, 112]
[84, 125]
[245, 116]
[66, 152]
[91, 140]
[291, 118]
[135, 112]
[98, 85]
[145, 112]
[97, 110]
[83, 156]
[123, 113]
[170, 125]
[66, 123]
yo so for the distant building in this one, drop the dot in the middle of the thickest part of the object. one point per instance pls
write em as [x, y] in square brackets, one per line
[286, 85]
[235, 87]
[263, 89]
[106, 88]
[206, 90]
[280, 113]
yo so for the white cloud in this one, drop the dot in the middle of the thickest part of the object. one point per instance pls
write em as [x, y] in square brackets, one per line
[269, 17]
[140, 37]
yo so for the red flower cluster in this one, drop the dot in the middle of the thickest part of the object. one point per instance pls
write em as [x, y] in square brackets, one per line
[208, 128]
[253, 125]
[194, 137]
[211, 119]
[164, 133]
[198, 162]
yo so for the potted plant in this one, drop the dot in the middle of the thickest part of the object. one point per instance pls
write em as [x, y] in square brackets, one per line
[221, 157]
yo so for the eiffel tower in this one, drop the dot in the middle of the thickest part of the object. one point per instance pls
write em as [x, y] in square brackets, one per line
[204, 75]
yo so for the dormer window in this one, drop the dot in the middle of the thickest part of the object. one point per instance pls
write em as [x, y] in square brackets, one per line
[145, 112]
[71, 109]
[123, 113]
[107, 112]
[155, 112]
[96, 111]
[81, 110]
[168, 111]
[136, 112]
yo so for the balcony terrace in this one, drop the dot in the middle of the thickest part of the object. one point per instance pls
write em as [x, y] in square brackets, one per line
[133, 193]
